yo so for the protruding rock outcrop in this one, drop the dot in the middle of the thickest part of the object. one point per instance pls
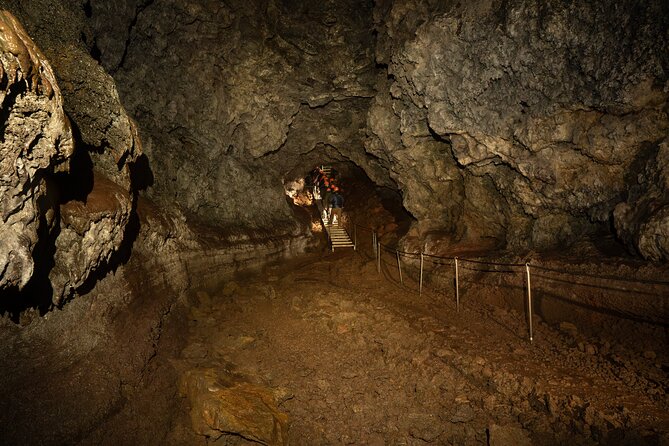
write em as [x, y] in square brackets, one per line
[91, 232]
[643, 220]
[36, 142]
[67, 187]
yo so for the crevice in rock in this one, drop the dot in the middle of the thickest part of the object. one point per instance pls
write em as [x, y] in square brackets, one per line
[8, 101]
[138, 10]
[88, 9]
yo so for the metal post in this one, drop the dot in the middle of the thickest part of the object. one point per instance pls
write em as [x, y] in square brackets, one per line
[374, 242]
[399, 266]
[420, 286]
[378, 258]
[457, 286]
[529, 299]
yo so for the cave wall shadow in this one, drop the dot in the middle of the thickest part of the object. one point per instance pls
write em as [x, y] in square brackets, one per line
[141, 177]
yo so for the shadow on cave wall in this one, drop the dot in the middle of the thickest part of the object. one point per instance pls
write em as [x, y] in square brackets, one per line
[37, 293]
[141, 177]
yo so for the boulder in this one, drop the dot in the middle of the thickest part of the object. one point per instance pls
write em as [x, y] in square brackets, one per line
[224, 404]
[91, 233]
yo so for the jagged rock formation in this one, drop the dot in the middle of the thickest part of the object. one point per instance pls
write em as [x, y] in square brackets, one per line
[89, 207]
[36, 142]
[503, 126]
[521, 125]
[642, 220]
[549, 124]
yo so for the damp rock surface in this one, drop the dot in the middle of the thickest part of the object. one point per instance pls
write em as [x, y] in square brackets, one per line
[36, 142]
[69, 147]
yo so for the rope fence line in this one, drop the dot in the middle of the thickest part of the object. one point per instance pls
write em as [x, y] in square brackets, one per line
[590, 285]
[509, 267]
[603, 277]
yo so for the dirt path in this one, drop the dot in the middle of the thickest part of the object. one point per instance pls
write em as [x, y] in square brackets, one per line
[352, 358]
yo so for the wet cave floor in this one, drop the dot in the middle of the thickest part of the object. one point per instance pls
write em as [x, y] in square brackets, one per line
[352, 357]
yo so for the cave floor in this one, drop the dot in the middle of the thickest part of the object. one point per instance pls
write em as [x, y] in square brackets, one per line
[355, 358]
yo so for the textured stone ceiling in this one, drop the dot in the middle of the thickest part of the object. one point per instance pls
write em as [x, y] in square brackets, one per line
[231, 95]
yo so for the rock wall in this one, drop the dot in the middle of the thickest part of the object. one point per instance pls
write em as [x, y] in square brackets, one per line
[36, 142]
[503, 126]
[232, 97]
[67, 155]
[548, 113]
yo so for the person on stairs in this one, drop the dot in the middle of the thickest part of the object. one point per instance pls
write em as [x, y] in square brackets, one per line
[317, 181]
[337, 204]
[326, 202]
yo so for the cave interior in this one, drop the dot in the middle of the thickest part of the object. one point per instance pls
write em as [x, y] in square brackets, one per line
[161, 239]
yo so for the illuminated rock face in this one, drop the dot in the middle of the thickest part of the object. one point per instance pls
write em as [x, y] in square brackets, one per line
[552, 112]
[52, 173]
[231, 97]
[512, 126]
[522, 126]
[36, 141]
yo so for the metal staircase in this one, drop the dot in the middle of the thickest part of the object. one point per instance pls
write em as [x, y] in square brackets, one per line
[337, 235]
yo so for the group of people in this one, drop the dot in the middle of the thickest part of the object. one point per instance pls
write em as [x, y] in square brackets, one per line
[327, 189]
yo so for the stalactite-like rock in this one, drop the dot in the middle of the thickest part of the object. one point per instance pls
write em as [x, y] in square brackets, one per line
[79, 218]
[91, 232]
[36, 142]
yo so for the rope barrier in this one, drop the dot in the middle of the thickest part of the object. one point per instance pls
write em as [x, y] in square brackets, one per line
[600, 287]
[435, 262]
[513, 265]
[364, 227]
[505, 268]
[418, 254]
[604, 277]
[481, 262]
[488, 270]
[438, 257]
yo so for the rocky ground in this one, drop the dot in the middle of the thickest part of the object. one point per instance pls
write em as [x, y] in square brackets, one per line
[322, 349]
[328, 351]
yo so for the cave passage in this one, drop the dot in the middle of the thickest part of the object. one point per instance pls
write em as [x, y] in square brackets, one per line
[168, 275]
[367, 205]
